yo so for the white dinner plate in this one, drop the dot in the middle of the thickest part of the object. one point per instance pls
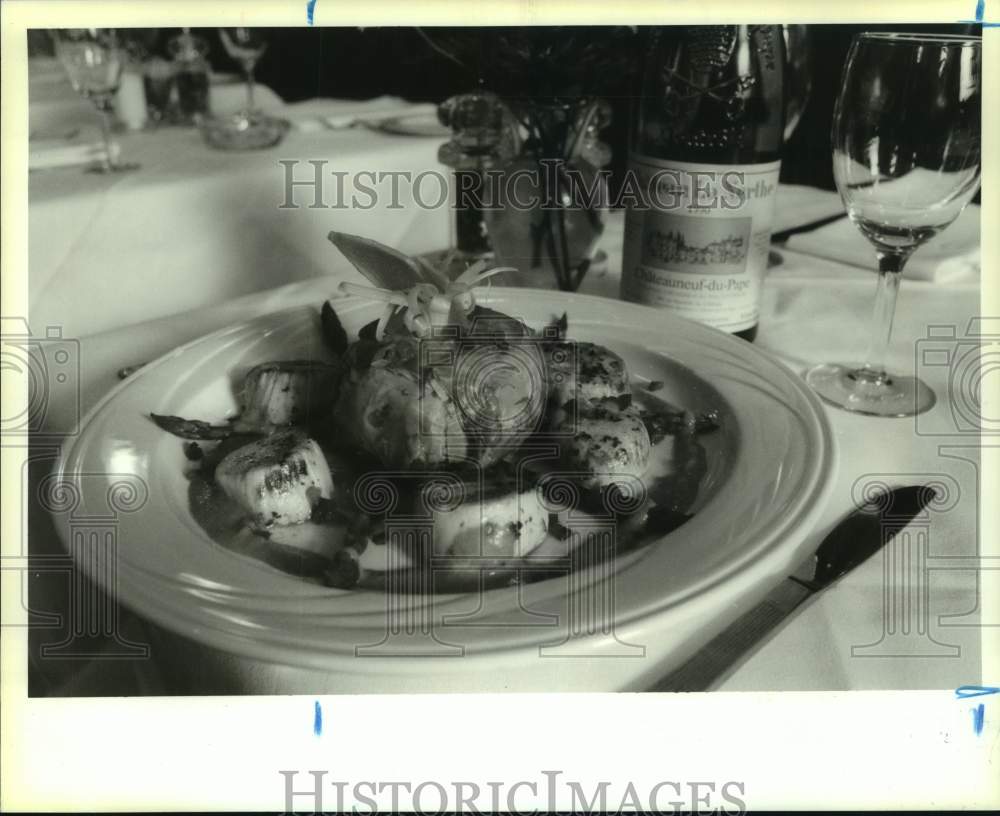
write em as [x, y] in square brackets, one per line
[769, 470]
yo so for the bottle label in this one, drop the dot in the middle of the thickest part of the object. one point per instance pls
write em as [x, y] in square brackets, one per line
[698, 240]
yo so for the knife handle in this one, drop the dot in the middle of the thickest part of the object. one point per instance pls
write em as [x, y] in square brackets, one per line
[854, 540]
[727, 650]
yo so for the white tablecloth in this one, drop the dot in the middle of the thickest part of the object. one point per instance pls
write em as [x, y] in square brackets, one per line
[196, 226]
[136, 264]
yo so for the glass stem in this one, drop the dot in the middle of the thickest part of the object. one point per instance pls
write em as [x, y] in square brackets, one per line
[249, 69]
[890, 268]
[104, 108]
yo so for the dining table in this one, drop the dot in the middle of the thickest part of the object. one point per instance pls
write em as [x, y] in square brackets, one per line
[123, 268]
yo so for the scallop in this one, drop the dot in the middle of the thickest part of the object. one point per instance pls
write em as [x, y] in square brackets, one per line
[288, 393]
[278, 479]
[604, 443]
[585, 371]
[504, 521]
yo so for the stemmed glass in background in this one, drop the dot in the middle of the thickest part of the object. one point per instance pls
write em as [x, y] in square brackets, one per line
[906, 159]
[93, 61]
[246, 46]
[249, 128]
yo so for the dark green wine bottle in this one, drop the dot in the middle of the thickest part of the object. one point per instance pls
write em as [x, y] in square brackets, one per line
[705, 156]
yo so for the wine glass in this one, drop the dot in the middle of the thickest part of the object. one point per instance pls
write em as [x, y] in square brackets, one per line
[246, 46]
[906, 159]
[93, 61]
[249, 128]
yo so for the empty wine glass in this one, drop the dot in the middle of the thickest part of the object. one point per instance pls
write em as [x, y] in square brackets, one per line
[906, 159]
[246, 46]
[249, 128]
[93, 62]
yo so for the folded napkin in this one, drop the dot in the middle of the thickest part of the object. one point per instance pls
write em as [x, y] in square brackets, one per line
[333, 114]
[951, 256]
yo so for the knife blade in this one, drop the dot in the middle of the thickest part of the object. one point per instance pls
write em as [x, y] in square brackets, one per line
[782, 236]
[856, 538]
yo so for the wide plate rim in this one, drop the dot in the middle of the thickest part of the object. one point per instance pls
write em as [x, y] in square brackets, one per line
[808, 507]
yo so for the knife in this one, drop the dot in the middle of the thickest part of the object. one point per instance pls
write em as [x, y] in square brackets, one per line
[783, 235]
[853, 541]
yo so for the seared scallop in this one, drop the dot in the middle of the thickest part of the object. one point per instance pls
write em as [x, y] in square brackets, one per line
[604, 442]
[278, 479]
[502, 521]
[584, 371]
[288, 393]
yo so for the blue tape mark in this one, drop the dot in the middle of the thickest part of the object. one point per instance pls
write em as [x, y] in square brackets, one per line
[311, 5]
[962, 692]
[980, 16]
[317, 718]
[978, 714]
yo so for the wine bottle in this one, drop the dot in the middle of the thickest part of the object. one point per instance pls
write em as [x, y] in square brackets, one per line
[703, 172]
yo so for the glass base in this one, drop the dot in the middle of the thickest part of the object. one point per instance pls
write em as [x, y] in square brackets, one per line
[865, 391]
[246, 130]
[106, 167]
